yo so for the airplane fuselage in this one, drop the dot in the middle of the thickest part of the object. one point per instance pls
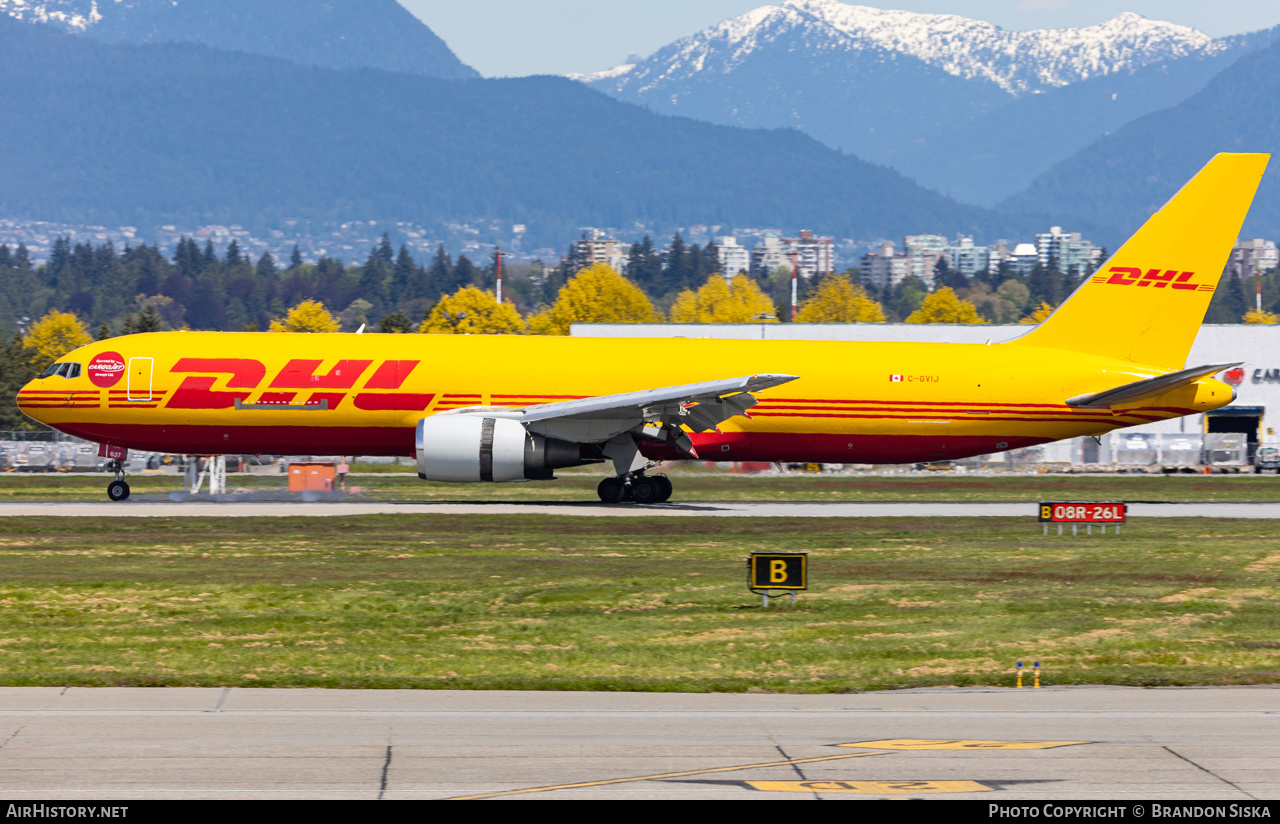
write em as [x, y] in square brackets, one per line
[854, 402]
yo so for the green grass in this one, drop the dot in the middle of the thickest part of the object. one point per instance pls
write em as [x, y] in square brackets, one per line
[695, 485]
[545, 602]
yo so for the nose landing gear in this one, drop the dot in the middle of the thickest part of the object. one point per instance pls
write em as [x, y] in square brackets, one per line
[118, 490]
[638, 488]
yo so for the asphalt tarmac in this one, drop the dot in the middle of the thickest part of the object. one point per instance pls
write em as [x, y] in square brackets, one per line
[188, 509]
[1070, 743]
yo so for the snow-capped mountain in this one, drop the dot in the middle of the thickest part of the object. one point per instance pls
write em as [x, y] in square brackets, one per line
[336, 33]
[72, 15]
[1016, 61]
[920, 92]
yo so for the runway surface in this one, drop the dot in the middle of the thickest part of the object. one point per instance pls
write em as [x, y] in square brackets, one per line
[1087, 743]
[246, 509]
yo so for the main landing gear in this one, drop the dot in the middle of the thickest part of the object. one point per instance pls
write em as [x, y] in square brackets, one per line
[637, 487]
[118, 490]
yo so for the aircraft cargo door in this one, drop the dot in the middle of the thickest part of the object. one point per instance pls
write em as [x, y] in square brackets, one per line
[140, 370]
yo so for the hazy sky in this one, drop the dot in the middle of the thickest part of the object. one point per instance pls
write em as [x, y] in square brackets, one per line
[520, 37]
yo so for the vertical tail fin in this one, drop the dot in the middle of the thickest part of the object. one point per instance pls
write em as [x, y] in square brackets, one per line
[1147, 302]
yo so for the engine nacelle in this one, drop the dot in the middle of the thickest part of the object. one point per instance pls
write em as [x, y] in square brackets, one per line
[476, 448]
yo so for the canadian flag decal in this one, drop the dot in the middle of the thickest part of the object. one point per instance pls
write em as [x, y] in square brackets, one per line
[895, 379]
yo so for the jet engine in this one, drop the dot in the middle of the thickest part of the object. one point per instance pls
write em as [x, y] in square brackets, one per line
[474, 448]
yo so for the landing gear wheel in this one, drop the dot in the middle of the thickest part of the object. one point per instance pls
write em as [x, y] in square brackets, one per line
[611, 490]
[664, 487]
[645, 490]
[118, 491]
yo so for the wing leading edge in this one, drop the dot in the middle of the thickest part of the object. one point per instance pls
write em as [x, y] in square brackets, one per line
[652, 413]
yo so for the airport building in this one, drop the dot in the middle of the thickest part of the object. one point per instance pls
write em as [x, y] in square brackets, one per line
[1226, 437]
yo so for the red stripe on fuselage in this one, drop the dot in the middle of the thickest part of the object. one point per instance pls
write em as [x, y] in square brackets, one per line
[937, 412]
[392, 402]
[334, 398]
[912, 403]
[197, 393]
[249, 440]
[825, 448]
[368, 440]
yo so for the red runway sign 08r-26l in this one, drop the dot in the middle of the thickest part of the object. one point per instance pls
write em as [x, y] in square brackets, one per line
[1083, 513]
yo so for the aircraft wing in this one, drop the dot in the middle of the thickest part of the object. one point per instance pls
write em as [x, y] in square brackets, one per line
[699, 406]
[1148, 388]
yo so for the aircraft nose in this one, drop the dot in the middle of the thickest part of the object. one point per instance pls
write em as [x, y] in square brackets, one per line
[28, 400]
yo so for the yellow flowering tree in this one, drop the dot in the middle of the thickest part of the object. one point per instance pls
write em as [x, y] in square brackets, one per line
[1038, 314]
[54, 335]
[839, 301]
[470, 311]
[597, 294]
[308, 316]
[945, 306]
[1259, 316]
[719, 301]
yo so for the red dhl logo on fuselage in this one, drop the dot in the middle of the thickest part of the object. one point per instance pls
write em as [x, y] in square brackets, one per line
[246, 375]
[1157, 278]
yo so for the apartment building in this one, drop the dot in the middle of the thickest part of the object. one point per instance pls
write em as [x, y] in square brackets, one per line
[884, 267]
[596, 247]
[732, 257]
[1250, 256]
[1072, 254]
[967, 259]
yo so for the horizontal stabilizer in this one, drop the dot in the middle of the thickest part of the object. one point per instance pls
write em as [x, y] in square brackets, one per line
[1148, 388]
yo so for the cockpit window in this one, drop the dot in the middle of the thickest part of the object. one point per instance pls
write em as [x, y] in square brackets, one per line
[64, 370]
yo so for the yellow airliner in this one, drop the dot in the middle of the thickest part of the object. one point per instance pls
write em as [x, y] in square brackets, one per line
[513, 408]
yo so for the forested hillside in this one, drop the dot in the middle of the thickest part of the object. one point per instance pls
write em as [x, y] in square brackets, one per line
[200, 287]
[988, 158]
[1124, 178]
[337, 34]
[180, 133]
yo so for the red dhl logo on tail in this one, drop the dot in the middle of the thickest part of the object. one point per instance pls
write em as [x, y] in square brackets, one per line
[1157, 278]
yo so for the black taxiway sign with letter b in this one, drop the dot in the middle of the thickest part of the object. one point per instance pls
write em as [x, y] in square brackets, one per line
[779, 570]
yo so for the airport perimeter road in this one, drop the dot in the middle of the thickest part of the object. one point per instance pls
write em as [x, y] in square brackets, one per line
[1056, 743]
[246, 509]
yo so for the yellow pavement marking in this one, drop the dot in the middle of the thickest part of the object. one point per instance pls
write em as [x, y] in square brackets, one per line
[958, 744]
[870, 787]
[663, 775]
